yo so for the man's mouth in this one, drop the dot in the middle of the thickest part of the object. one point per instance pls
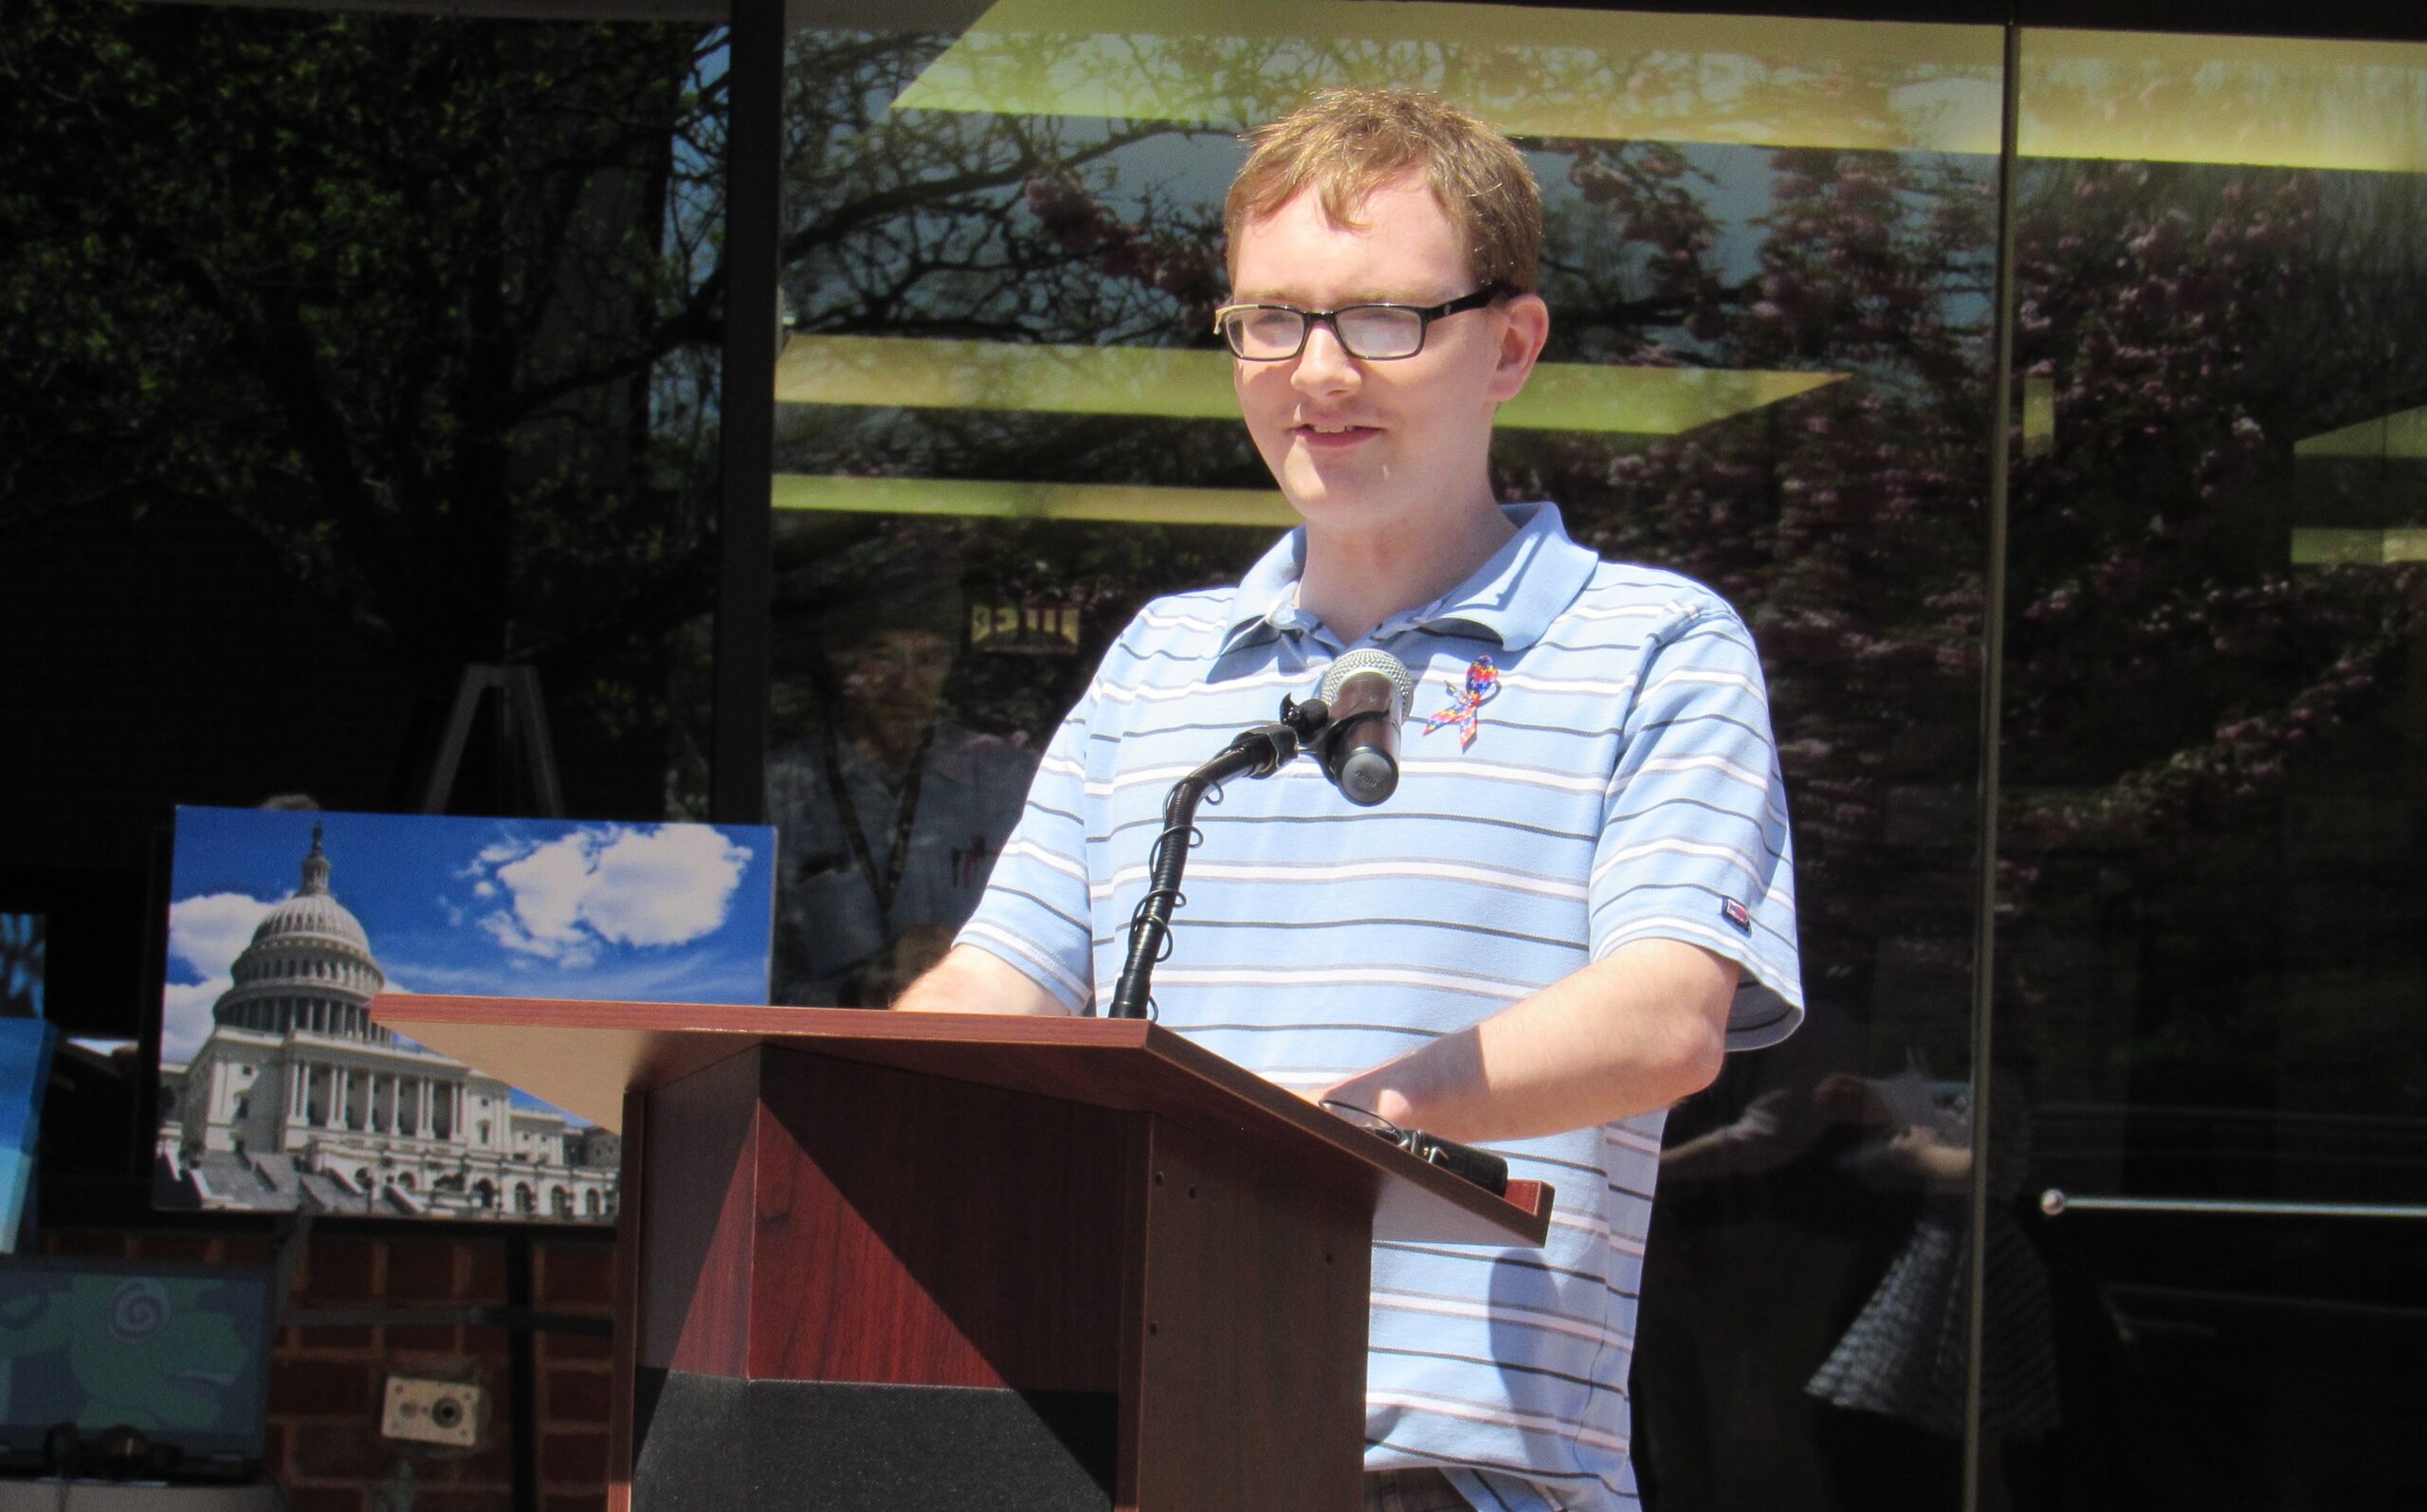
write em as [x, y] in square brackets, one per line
[1327, 430]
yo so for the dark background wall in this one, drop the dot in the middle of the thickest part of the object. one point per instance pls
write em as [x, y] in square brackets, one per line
[345, 350]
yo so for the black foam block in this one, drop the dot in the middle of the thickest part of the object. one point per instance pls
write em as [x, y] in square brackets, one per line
[713, 1444]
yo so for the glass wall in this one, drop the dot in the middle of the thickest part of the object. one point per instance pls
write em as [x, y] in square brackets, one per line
[1003, 425]
[2205, 1257]
[1773, 262]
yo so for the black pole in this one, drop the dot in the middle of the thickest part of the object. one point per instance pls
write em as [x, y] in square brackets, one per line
[1260, 752]
[1993, 656]
[754, 194]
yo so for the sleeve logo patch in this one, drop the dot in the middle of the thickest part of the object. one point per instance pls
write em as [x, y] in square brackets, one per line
[1737, 913]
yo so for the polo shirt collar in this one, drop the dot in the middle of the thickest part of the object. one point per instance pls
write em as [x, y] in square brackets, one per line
[1511, 598]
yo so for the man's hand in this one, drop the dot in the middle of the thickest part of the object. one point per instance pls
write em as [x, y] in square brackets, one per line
[1637, 1031]
[1941, 1164]
[969, 980]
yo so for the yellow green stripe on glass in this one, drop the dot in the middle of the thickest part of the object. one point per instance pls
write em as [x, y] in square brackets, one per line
[917, 372]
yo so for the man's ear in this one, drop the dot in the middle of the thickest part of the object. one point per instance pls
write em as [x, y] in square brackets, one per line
[1525, 325]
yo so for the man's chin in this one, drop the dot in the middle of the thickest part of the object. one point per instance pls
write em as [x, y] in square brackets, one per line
[1336, 492]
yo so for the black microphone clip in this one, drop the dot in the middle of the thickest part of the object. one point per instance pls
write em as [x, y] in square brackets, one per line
[1308, 718]
[1271, 746]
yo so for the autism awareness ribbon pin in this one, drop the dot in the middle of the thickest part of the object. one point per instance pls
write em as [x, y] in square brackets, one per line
[1465, 710]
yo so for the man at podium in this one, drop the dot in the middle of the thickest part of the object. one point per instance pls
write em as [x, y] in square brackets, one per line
[1581, 892]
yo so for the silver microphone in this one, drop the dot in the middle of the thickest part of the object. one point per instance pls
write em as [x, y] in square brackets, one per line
[1369, 693]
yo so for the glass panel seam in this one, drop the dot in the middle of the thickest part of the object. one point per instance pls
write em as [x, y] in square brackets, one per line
[1992, 703]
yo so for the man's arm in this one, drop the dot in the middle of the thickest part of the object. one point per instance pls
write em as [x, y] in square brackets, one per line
[969, 980]
[1692, 808]
[1635, 1030]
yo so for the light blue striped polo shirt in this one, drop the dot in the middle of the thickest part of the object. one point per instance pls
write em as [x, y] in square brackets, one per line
[1617, 781]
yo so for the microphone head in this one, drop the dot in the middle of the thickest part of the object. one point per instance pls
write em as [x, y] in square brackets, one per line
[1370, 659]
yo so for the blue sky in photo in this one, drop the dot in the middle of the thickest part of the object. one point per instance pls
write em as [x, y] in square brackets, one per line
[486, 907]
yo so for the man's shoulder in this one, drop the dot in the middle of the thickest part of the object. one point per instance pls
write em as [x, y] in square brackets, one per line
[1199, 609]
[1633, 603]
[1185, 625]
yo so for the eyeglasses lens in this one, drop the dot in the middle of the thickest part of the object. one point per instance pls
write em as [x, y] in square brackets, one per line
[1367, 331]
[1265, 335]
[1377, 332]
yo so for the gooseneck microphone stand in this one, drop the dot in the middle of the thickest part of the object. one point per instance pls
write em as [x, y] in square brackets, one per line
[1257, 751]
[1260, 752]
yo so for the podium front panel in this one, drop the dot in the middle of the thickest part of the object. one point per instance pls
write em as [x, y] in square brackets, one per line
[867, 1287]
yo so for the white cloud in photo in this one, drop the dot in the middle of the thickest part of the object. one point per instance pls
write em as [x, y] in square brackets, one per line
[572, 896]
[206, 934]
[185, 1017]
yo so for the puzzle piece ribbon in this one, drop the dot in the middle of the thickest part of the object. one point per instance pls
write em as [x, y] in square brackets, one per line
[1466, 707]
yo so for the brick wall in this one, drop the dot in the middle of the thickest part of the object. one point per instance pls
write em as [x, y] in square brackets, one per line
[576, 1385]
[327, 1381]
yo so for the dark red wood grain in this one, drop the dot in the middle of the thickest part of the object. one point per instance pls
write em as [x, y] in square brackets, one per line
[917, 1231]
[698, 1249]
[1249, 1355]
[630, 1183]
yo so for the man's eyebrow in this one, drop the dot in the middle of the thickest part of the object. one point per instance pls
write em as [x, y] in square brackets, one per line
[1358, 296]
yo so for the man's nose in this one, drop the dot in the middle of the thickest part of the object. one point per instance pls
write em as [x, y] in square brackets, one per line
[1325, 366]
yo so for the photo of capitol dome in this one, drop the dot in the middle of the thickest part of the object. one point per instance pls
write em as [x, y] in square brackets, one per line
[294, 1101]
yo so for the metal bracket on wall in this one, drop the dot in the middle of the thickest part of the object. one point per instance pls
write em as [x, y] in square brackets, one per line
[2055, 1201]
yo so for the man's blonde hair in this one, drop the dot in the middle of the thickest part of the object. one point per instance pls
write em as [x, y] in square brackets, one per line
[1346, 143]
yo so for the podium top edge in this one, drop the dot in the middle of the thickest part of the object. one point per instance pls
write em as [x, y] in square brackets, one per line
[759, 1021]
[647, 1043]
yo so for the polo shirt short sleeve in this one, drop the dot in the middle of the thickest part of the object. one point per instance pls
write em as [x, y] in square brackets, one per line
[1694, 843]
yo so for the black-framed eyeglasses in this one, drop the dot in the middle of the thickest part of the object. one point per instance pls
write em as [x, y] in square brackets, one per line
[1370, 332]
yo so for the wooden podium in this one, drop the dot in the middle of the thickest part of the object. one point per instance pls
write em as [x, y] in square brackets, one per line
[889, 1261]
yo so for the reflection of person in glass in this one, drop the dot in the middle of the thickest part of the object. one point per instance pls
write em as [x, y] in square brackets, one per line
[1902, 1363]
[1581, 892]
[890, 814]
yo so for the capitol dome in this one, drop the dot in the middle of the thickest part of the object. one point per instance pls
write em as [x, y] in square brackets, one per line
[313, 914]
[309, 968]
